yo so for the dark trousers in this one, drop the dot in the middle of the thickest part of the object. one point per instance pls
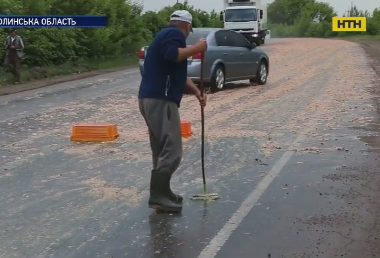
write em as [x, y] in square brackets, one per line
[15, 62]
[164, 124]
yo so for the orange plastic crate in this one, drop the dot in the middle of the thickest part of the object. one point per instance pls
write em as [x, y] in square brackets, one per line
[186, 128]
[95, 132]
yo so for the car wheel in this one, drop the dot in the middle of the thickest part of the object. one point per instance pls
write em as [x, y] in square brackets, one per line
[217, 79]
[261, 74]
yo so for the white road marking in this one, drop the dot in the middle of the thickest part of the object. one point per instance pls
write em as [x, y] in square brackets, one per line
[212, 249]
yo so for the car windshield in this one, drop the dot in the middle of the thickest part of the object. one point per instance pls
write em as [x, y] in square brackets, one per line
[240, 15]
[195, 36]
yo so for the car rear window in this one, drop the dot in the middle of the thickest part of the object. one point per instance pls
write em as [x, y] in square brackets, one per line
[195, 36]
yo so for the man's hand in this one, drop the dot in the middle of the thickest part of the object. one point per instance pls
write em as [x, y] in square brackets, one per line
[194, 90]
[201, 45]
[202, 99]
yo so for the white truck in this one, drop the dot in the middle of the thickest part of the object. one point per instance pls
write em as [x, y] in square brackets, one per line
[246, 17]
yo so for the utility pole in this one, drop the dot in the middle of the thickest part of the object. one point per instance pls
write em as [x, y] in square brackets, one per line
[352, 8]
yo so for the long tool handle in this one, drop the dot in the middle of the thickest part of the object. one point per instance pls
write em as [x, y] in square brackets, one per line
[202, 89]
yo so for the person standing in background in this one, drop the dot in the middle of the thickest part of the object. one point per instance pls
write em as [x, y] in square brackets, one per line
[14, 52]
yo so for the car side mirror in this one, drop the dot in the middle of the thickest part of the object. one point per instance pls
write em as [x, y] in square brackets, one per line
[221, 16]
[252, 45]
[261, 14]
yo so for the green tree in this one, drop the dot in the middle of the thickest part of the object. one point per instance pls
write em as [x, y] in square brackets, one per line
[286, 11]
[153, 22]
[373, 22]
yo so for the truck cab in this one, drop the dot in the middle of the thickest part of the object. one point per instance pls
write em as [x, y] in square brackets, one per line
[246, 18]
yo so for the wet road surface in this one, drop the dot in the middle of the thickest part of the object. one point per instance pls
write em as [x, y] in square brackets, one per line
[295, 162]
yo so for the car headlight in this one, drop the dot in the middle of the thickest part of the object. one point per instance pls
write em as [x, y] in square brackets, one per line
[255, 35]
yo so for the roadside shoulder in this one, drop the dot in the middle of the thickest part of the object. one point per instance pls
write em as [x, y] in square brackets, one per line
[11, 89]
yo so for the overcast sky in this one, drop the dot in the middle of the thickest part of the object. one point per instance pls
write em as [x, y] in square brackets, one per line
[339, 5]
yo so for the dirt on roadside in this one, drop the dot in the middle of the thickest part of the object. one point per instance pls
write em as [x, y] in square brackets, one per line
[372, 48]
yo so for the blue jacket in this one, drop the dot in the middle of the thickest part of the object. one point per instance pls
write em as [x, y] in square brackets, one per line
[164, 77]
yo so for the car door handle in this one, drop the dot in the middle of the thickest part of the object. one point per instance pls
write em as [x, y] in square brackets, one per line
[240, 54]
[225, 54]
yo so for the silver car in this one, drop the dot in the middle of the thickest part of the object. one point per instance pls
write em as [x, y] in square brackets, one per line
[229, 57]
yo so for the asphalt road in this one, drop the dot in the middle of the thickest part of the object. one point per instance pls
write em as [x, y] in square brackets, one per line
[295, 163]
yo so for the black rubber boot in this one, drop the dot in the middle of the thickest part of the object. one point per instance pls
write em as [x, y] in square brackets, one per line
[159, 198]
[174, 197]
